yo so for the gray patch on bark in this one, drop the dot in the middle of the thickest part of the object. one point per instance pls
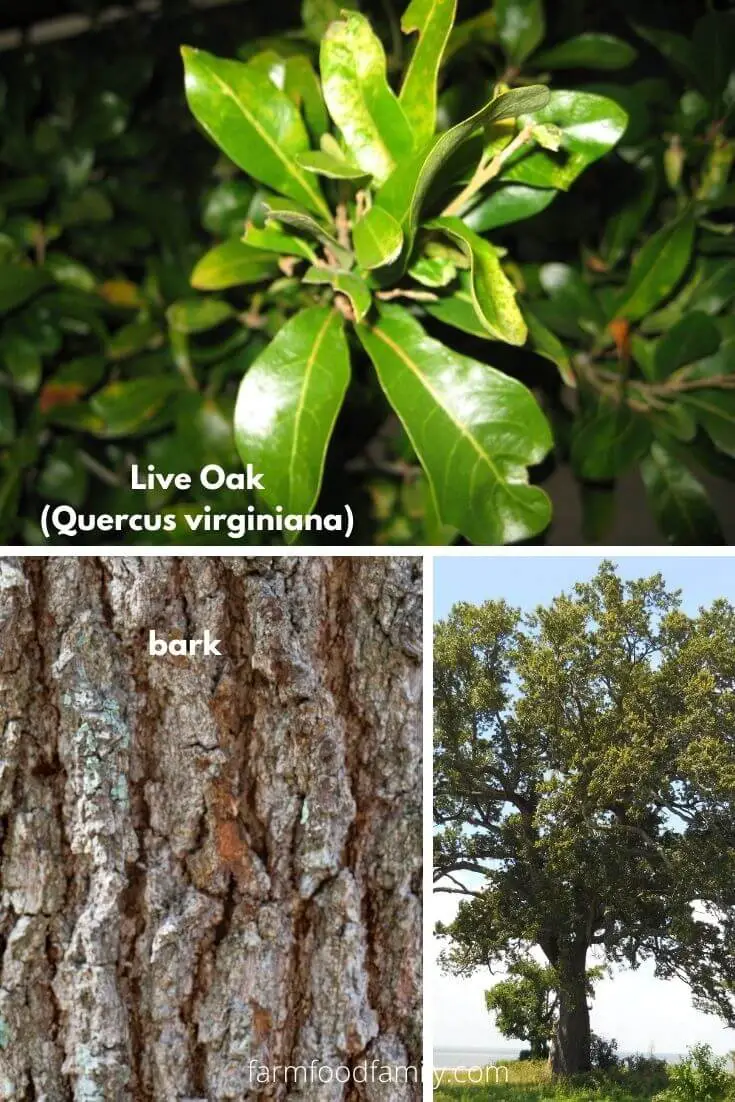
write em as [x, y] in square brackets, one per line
[208, 862]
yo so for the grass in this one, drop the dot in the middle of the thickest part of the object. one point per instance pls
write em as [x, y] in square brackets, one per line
[529, 1081]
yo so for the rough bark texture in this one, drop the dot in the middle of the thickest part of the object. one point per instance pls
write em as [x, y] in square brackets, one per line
[571, 1049]
[208, 861]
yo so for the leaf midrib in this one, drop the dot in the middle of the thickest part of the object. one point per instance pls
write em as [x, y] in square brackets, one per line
[460, 428]
[311, 360]
[285, 161]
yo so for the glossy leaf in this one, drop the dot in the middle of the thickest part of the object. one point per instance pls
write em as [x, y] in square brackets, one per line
[18, 284]
[230, 264]
[458, 310]
[21, 359]
[693, 338]
[287, 406]
[303, 221]
[359, 98]
[608, 440]
[433, 271]
[404, 192]
[520, 27]
[271, 240]
[570, 294]
[336, 168]
[678, 501]
[226, 207]
[257, 125]
[715, 411]
[129, 407]
[657, 268]
[591, 125]
[302, 85]
[674, 47]
[347, 283]
[507, 204]
[474, 429]
[433, 20]
[197, 315]
[377, 238]
[622, 229]
[592, 50]
[716, 288]
[548, 345]
[493, 295]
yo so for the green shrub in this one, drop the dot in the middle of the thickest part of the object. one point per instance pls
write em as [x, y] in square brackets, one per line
[702, 1077]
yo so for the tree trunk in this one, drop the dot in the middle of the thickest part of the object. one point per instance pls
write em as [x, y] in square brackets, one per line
[570, 1052]
[210, 866]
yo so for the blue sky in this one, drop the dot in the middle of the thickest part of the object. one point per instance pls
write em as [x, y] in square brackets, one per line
[640, 1011]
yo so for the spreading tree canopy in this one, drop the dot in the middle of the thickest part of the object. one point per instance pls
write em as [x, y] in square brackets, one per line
[584, 784]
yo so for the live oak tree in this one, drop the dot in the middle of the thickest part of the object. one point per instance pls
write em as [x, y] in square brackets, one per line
[584, 784]
[209, 865]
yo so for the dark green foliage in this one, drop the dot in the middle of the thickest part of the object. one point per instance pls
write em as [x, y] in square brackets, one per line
[593, 263]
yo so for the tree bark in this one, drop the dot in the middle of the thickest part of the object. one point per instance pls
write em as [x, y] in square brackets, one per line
[210, 866]
[570, 1053]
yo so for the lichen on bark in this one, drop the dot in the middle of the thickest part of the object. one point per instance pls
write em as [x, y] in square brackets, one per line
[209, 865]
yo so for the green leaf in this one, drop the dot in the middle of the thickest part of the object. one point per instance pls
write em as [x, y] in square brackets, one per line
[715, 412]
[598, 512]
[572, 297]
[302, 85]
[592, 50]
[324, 164]
[7, 419]
[433, 19]
[347, 283]
[607, 440]
[657, 268]
[693, 338]
[548, 345]
[227, 207]
[713, 48]
[230, 264]
[507, 204]
[69, 272]
[303, 221]
[359, 98]
[404, 192]
[493, 295]
[674, 47]
[591, 125]
[21, 359]
[287, 406]
[271, 240]
[197, 315]
[316, 15]
[458, 310]
[377, 238]
[624, 226]
[520, 27]
[433, 270]
[722, 360]
[716, 288]
[63, 477]
[128, 407]
[474, 429]
[257, 126]
[678, 500]
[17, 284]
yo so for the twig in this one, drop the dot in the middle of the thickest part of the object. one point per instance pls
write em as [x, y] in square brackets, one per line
[485, 172]
[405, 292]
